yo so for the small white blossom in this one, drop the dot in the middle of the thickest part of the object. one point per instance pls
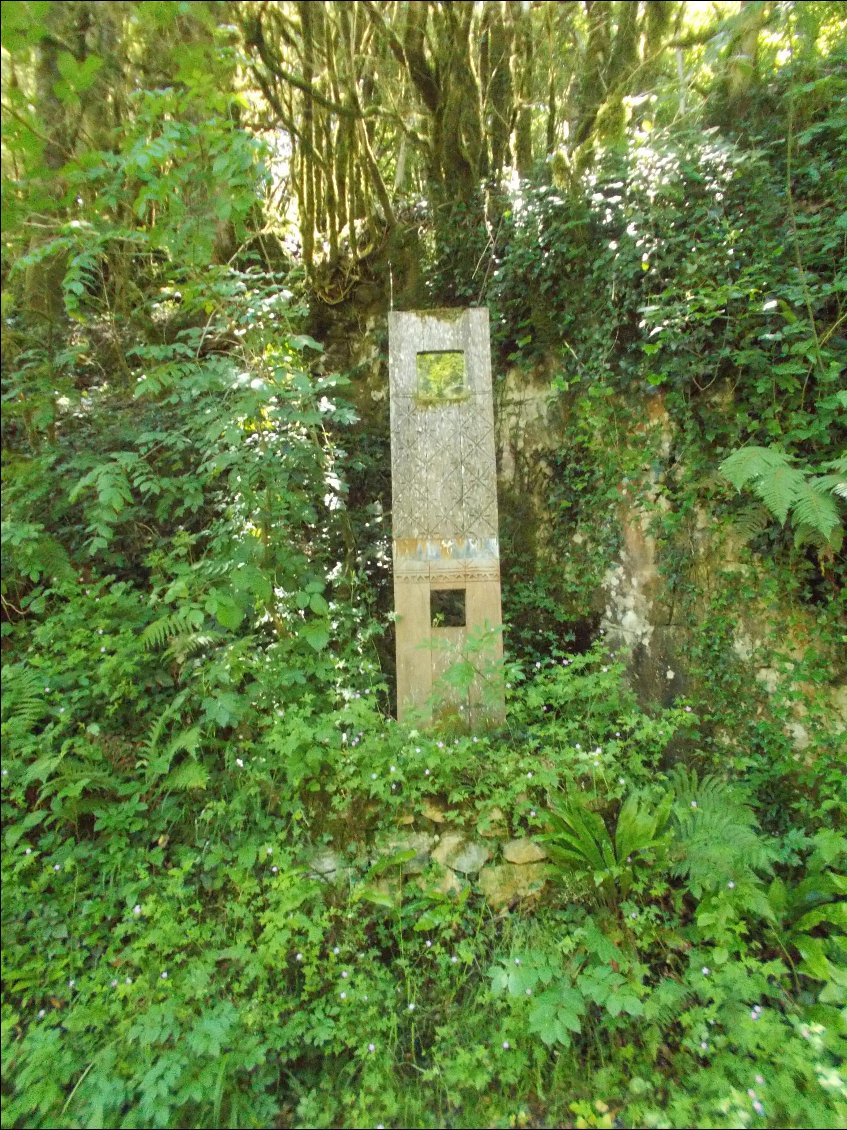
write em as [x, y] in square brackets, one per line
[343, 996]
[164, 975]
[136, 910]
[57, 867]
[336, 949]
[275, 870]
[344, 974]
[731, 885]
[371, 1047]
[706, 971]
[28, 851]
[506, 1045]
[239, 763]
[298, 957]
[42, 1012]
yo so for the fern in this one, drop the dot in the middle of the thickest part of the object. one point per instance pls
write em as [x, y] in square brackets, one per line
[158, 633]
[23, 700]
[786, 489]
[717, 838]
[751, 521]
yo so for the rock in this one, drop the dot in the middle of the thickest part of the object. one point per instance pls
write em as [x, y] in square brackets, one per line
[492, 824]
[447, 883]
[507, 882]
[432, 812]
[523, 851]
[328, 865]
[418, 842]
[460, 854]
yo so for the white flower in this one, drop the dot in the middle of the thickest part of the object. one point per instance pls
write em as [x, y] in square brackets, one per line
[428, 944]
[136, 910]
[371, 1047]
[114, 983]
[239, 763]
[28, 851]
[344, 974]
[694, 804]
[373, 776]
[411, 1006]
[164, 975]
[274, 870]
[706, 971]
[269, 851]
[453, 960]
[57, 867]
[42, 1012]
[731, 885]
[298, 957]
[343, 996]
[506, 1045]
[336, 949]
[529, 776]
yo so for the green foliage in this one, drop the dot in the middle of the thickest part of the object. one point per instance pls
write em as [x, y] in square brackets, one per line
[212, 914]
[787, 489]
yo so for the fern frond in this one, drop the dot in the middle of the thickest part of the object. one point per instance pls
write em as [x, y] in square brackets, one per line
[779, 489]
[189, 775]
[751, 463]
[814, 508]
[23, 701]
[751, 521]
[717, 834]
[183, 646]
[155, 635]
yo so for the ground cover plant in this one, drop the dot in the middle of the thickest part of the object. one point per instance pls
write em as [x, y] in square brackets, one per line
[210, 914]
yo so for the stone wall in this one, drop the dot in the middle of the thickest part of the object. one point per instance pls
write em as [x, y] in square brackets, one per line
[439, 851]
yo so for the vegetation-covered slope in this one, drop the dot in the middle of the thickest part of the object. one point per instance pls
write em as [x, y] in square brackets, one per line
[216, 907]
